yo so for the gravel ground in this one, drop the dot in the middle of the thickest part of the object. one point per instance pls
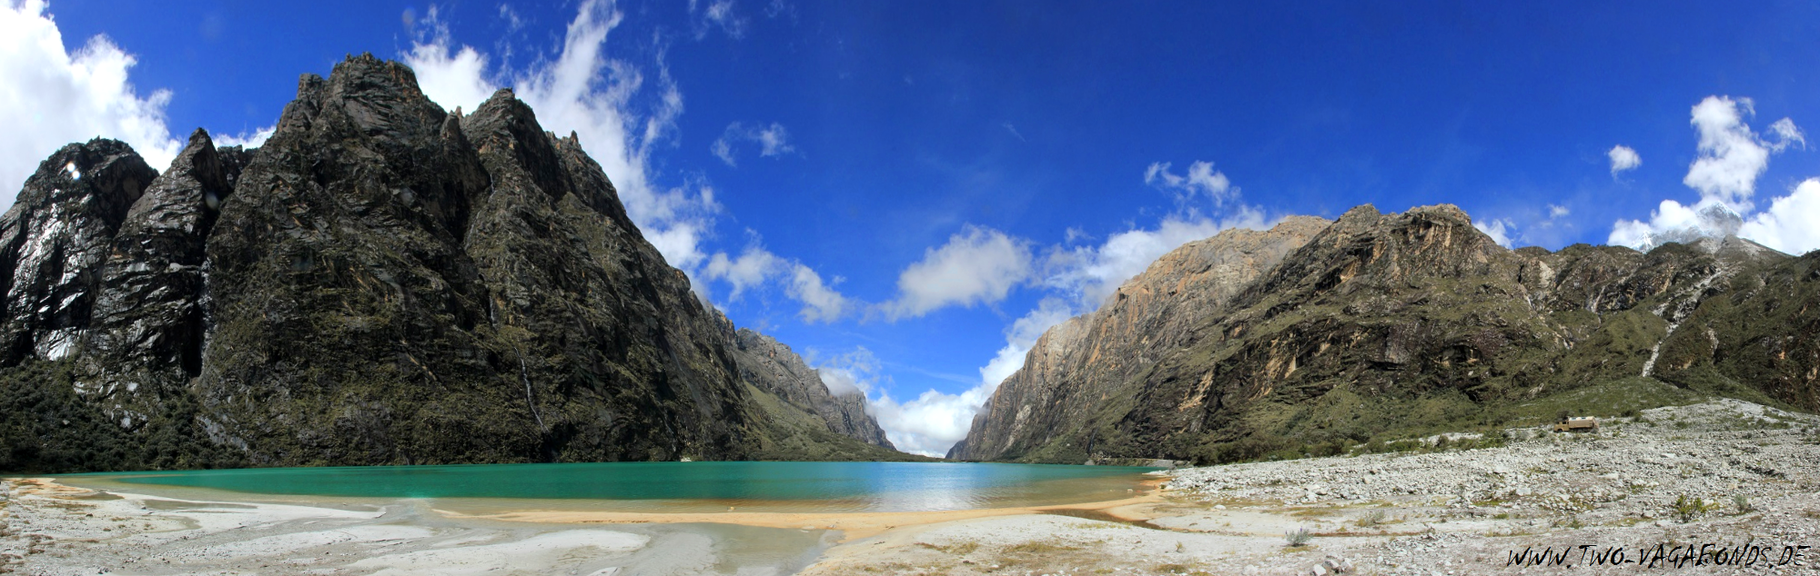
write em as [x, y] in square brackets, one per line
[1608, 499]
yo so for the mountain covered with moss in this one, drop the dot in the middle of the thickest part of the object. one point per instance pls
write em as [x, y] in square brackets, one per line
[1319, 337]
[381, 282]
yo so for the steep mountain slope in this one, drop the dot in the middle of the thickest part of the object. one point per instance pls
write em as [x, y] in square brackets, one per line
[773, 368]
[1079, 365]
[381, 283]
[1381, 325]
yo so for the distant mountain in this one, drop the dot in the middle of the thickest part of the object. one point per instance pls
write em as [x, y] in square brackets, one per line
[1315, 338]
[380, 283]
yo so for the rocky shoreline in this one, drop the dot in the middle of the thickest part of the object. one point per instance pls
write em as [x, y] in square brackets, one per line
[1645, 494]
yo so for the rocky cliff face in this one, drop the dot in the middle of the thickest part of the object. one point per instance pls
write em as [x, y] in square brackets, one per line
[1378, 325]
[771, 366]
[381, 283]
[1081, 364]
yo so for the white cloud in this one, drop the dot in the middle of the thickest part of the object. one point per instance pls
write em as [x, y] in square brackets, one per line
[772, 140]
[1557, 211]
[978, 265]
[820, 303]
[253, 140]
[753, 267]
[1792, 222]
[1623, 158]
[1673, 222]
[451, 77]
[1499, 230]
[1731, 158]
[1200, 179]
[50, 97]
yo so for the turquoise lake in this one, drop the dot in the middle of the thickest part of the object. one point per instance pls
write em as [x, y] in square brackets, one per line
[675, 486]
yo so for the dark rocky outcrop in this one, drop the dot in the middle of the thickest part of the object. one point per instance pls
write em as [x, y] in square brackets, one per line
[1383, 325]
[148, 322]
[380, 283]
[54, 240]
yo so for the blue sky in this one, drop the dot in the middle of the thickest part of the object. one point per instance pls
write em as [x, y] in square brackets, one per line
[910, 192]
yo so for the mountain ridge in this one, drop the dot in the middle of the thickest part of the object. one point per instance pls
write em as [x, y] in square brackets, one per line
[382, 282]
[1380, 326]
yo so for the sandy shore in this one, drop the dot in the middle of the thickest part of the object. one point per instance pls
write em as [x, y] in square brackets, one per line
[56, 529]
[1715, 475]
[850, 525]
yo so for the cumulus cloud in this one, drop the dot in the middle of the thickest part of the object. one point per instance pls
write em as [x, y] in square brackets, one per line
[50, 97]
[1792, 222]
[1673, 222]
[977, 265]
[772, 140]
[1623, 158]
[1731, 156]
[452, 77]
[1557, 211]
[820, 303]
[1200, 180]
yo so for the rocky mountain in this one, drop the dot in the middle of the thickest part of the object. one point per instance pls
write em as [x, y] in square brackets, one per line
[1313, 338]
[772, 367]
[380, 283]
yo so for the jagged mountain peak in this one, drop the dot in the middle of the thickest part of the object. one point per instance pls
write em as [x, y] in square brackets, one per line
[380, 283]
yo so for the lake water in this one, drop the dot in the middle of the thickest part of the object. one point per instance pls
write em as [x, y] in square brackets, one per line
[680, 486]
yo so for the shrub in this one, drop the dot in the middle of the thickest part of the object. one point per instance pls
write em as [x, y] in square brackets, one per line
[1298, 537]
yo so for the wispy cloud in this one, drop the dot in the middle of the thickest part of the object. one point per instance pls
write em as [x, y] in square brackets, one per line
[758, 267]
[718, 15]
[772, 140]
[1201, 180]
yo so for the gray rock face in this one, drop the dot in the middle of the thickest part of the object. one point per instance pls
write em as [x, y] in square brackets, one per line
[1076, 366]
[54, 240]
[1382, 324]
[148, 322]
[771, 366]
